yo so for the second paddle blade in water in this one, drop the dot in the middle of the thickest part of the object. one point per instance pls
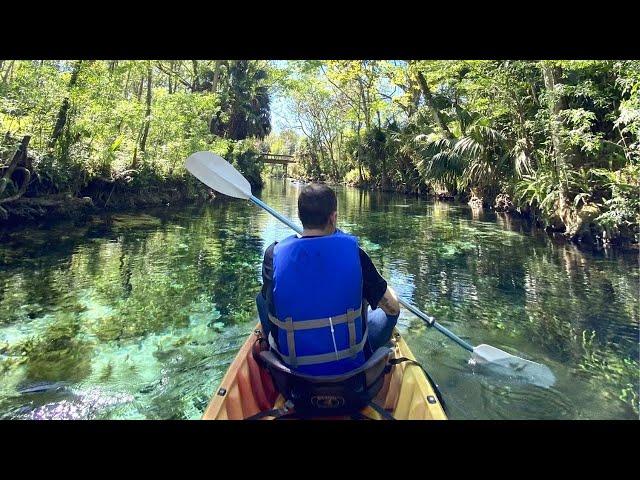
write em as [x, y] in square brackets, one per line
[504, 363]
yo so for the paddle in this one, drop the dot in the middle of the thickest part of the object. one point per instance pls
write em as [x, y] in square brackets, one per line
[221, 176]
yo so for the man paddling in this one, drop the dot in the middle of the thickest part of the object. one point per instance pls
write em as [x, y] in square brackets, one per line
[323, 305]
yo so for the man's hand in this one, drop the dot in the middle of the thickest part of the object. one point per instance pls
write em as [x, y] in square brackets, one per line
[389, 302]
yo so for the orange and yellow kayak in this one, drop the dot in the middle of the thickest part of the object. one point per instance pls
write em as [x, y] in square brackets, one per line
[247, 389]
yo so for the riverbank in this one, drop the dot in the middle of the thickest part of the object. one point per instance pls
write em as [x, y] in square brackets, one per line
[581, 229]
[65, 206]
[124, 194]
[35, 186]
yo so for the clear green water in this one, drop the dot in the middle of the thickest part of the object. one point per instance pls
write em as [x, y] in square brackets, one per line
[139, 315]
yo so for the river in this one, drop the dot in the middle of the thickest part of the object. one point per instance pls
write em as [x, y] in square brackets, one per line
[138, 315]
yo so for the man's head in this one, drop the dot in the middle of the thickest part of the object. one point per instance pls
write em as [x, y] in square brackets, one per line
[317, 207]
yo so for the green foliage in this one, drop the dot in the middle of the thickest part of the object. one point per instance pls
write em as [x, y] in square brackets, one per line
[623, 206]
[103, 117]
[480, 128]
[244, 156]
[244, 108]
[353, 176]
[539, 190]
[611, 370]
[58, 353]
[550, 132]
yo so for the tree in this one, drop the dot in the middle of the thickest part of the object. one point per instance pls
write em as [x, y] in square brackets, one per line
[244, 110]
[61, 121]
[147, 118]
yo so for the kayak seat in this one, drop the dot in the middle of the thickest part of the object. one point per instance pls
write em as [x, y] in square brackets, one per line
[320, 396]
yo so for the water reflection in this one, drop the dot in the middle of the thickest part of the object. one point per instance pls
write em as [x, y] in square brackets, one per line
[138, 315]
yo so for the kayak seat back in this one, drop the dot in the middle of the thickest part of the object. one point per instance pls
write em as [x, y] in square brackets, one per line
[318, 396]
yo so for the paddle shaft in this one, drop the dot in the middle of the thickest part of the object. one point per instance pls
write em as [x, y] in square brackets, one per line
[280, 217]
[430, 321]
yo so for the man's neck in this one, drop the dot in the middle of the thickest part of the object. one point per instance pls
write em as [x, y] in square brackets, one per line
[318, 232]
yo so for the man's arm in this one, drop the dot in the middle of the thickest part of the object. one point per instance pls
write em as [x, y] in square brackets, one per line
[267, 276]
[389, 302]
[375, 288]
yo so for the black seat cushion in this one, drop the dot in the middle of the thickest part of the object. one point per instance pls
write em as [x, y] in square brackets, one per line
[329, 395]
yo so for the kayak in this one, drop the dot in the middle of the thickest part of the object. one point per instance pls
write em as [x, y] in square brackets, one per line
[247, 389]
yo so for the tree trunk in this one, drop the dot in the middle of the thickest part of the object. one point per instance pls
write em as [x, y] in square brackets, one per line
[195, 84]
[147, 119]
[140, 85]
[64, 108]
[365, 106]
[385, 177]
[20, 154]
[126, 83]
[5, 77]
[434, 111]
[572, 155]
[359, 154]
[556, 104]
[170, 76]
[148, 112]
[216, 76]
[522, 134]
[415, 95]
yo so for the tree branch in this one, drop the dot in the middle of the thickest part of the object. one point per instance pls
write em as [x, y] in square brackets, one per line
[173, 74]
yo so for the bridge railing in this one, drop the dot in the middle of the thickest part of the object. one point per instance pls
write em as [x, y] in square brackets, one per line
[275, 158]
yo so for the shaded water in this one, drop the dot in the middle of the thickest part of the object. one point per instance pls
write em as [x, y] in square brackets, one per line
[139, 315]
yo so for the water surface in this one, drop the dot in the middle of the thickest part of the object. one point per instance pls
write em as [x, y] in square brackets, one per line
[139, 315]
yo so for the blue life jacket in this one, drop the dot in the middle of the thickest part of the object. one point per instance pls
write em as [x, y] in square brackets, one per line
[317, 297]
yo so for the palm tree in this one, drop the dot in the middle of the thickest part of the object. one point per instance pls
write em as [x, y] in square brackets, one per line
[244, 107]
[478, 159]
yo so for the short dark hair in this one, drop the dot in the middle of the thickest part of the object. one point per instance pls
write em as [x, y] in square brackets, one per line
[316, 203]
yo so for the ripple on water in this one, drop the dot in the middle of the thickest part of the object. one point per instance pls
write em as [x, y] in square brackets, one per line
[142, 313]
[523, 401]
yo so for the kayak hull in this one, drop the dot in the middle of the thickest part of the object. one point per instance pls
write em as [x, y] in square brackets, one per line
[247, 389]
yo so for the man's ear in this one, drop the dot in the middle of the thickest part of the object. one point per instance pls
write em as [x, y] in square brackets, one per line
[334, 218]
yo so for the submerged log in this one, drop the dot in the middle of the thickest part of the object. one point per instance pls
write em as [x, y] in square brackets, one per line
[58, 205]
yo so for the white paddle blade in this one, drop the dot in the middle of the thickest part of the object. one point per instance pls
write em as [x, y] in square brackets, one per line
[217, 173]
[505, 363]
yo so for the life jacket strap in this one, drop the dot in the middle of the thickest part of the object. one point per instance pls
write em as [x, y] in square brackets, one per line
[290, 325]
[286, 410]
[352, 334]
[381, 411]
[296, 360]
[291, 342]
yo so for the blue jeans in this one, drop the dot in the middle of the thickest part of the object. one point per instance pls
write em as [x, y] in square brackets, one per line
[380, 324]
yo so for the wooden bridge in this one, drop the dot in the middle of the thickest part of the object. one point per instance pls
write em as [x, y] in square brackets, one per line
[278, 159]
[283, 160]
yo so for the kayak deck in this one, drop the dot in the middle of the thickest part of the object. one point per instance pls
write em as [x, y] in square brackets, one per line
[247, 389]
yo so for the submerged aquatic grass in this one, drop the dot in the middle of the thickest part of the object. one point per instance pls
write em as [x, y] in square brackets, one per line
[139, 315]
